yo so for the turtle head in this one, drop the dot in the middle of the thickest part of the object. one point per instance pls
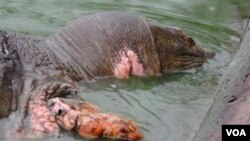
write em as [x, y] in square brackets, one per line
[178, 51]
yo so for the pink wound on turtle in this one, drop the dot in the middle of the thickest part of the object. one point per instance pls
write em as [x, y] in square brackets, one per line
[129, 64]
[137, 67]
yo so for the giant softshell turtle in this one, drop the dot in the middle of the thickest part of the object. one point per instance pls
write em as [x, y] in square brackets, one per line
[116, 44]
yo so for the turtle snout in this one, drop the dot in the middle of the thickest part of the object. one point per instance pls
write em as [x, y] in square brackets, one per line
[209, 53]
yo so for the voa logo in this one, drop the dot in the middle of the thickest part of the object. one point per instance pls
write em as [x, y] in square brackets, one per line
[236, 132]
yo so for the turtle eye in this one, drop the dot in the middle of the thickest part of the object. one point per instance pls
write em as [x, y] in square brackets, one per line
[189, 42]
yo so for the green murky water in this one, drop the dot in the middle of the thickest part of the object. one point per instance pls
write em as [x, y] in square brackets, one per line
[169, 107]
